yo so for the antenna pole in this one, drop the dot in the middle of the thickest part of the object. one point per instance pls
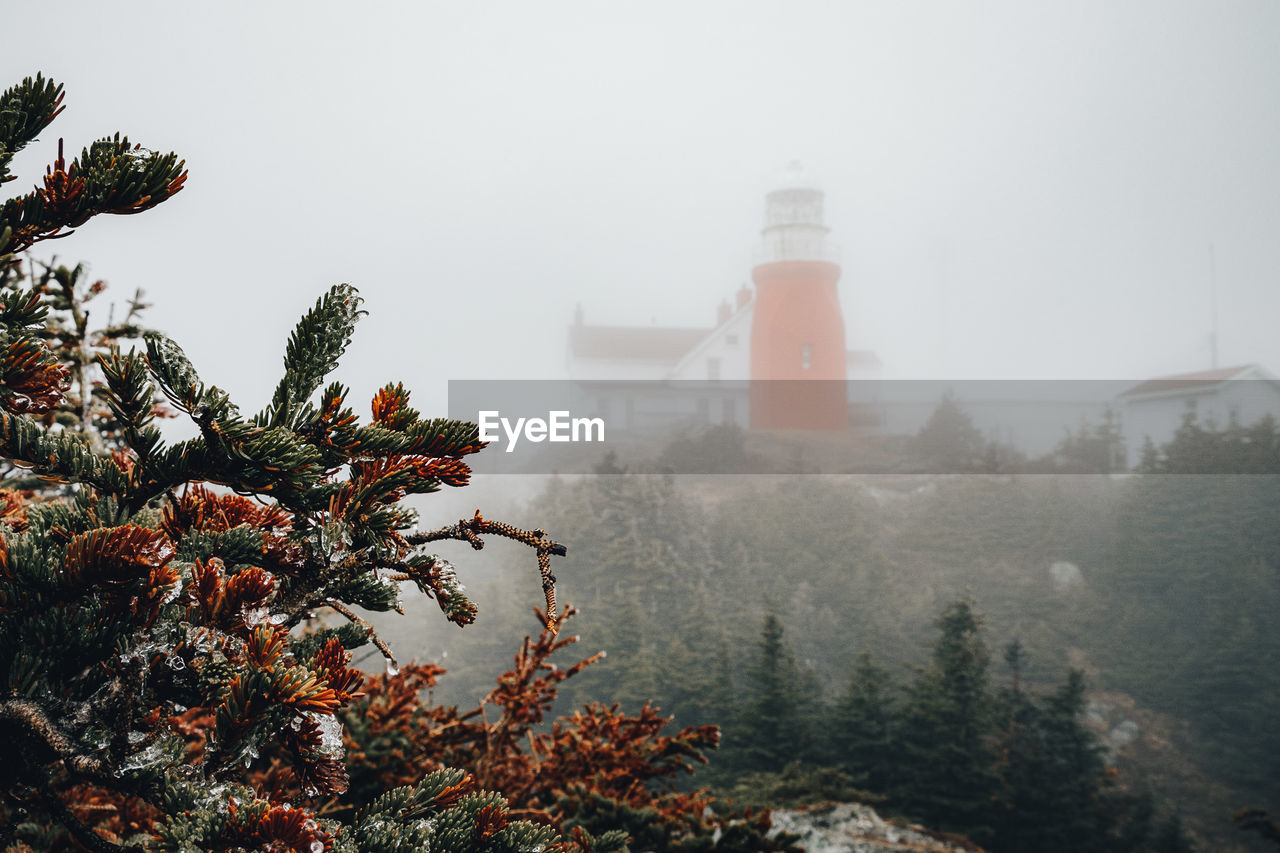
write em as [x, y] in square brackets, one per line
[1213, 308]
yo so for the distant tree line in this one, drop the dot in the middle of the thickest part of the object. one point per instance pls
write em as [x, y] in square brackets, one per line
[949, 442]
[1198, 448]
[1006, 767]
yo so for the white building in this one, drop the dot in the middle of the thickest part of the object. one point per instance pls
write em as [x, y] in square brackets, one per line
[1155, 409]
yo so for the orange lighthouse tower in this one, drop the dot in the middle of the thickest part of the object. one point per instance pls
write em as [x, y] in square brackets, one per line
[798, 358]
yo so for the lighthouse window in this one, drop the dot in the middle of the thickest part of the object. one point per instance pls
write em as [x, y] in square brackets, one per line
[806, 356]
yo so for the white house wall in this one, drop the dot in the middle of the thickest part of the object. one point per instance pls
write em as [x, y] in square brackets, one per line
[730, 343]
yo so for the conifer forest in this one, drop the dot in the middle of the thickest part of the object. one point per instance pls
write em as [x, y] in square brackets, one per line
[263, 636]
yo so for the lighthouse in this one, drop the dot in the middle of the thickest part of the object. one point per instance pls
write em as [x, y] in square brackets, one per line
[798, 358]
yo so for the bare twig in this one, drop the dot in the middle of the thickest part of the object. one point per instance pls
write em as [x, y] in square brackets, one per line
[470, 530]
[48, 743]
[373, 636]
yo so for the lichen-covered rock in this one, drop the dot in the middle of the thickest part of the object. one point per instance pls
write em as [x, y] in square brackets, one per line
[856, 828]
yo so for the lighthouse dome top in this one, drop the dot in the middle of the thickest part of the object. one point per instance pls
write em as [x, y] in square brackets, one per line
[793, 219]
[795, 201]
[794, 176]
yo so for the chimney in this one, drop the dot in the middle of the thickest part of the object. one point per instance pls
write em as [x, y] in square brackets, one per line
[744, 296]
[724, 312]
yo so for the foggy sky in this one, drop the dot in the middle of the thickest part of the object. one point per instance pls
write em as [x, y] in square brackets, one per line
[1018, 190]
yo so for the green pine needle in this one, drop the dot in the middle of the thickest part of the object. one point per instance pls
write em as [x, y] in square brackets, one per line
[314, 347]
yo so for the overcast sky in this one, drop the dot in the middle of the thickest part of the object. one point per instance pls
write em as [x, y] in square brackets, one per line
[1018, 190]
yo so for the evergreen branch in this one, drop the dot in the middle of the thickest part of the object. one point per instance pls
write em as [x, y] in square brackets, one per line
[391, 407]
[64, 456]
[240, 544]
[314, 347]
[21, 309]
[275, 451]
[110, 176]
[25, 110]
[175, 373]
[130, 396]
[241, 454]
[112, 557]
[33, 380]
[368, 442]
[124, 179]
[369, 591]
[438, 438]
[443, 437]
[438, 579]
[253, 460]
[167, 467]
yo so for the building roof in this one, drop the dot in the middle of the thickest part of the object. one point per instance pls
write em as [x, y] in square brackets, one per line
[1187, 381]
[648, 343]
[864, 357]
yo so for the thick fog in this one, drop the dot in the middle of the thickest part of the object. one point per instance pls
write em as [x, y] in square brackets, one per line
[1048, 191]
[1033, 191]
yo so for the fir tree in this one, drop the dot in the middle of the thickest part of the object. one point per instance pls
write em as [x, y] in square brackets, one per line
[949, 442]
[1051, 771]
[149, 661]
[771, 733]
[1073, 773]
[1022, 803]
[946, 775]
[861, 738]
[1093, 449]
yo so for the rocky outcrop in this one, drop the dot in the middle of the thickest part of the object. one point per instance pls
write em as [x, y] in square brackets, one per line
[856, 828]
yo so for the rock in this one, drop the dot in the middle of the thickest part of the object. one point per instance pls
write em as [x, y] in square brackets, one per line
[1065, 575]
[1117, 728]
[856, 828]
[1123, 734]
